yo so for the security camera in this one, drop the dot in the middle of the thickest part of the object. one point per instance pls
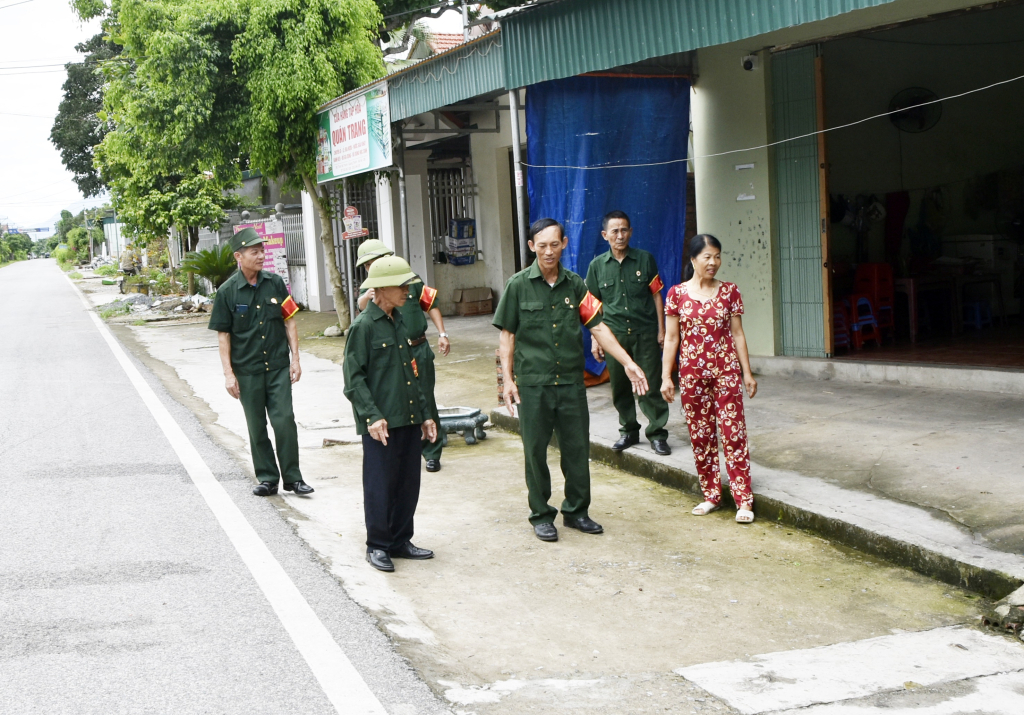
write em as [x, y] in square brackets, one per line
[750, 63]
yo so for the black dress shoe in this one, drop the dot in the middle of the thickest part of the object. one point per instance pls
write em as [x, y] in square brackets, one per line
[299, 487]
[546, 532]
[265, 489]
[625, 442]
[661, 447]
[584, 524]
[408, 551]
[380, 560]
[433, 465]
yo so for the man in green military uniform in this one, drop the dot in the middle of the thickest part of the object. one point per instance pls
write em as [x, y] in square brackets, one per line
[391, 413]
[627, 283]
[252, 316]
[539, 316]
[422, 299]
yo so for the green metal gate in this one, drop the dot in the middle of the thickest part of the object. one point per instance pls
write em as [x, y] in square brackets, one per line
[797, 203]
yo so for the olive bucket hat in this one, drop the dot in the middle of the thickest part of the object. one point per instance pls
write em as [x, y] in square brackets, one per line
[371, 250]
[390, 271]
[245, 238]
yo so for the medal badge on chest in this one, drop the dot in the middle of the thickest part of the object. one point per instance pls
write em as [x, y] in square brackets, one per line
[415, 370]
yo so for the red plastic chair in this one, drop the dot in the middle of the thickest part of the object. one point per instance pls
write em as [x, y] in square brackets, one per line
[841, 326]
[863, 324]
[875, 281]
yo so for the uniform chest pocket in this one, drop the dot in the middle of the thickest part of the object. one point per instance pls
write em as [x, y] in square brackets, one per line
[532, 311]
[241, 316]
[637, 284]
[271, 311]
[383, 350]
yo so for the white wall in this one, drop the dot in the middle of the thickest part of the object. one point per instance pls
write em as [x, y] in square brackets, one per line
[494, 209]
[318, 293]
[730, 111]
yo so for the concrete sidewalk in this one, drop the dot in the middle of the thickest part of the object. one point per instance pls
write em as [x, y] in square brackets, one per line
[924, 477]
[928, 478]
[500, 623]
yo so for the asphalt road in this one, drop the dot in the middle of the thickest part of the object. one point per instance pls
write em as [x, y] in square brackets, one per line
[120, 590]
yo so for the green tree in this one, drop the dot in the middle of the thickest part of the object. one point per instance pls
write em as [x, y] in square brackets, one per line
[77, 127]
[295, 55]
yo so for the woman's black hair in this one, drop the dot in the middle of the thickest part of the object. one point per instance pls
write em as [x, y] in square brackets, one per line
[693, 249]
[543, 223]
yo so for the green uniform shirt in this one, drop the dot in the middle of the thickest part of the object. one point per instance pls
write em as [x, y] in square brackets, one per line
[626, 290]
[252, 314]
[546, 322]
[421, 299]
[380, 372]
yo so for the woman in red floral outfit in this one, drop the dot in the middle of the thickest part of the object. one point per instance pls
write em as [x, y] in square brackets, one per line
[702, 319]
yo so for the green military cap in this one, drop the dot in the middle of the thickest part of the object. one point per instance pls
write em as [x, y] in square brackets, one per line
[372, 250]
[245, 238]
[390, 271]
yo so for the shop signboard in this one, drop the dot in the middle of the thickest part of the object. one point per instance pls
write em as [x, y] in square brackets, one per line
[355, 135]
[275, 257]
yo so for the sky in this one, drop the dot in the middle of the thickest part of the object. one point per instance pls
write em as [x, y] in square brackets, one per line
[38, 37]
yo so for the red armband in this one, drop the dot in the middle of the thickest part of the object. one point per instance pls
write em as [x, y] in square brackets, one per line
[656, 285]
[589, 307]
[289, 308]
[427, 298]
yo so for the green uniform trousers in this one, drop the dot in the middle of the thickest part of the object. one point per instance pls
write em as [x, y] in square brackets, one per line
[270, 394]
[425, 365]
[563, 410]
[646, 352]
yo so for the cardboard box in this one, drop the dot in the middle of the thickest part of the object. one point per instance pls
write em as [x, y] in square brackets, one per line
[473, 301]
[460, 245]
[462, 228]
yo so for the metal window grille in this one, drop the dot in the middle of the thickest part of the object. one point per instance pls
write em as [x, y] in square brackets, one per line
[451, 193]
[363, 197]
[294, 241]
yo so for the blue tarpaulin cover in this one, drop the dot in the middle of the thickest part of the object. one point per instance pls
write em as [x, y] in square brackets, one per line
[607, 121]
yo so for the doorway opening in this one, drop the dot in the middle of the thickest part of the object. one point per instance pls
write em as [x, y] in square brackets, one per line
[925, 208]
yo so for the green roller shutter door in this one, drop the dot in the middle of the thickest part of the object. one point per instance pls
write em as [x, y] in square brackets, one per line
[797, 204]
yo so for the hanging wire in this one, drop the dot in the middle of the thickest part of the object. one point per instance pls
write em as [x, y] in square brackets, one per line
[781, 141]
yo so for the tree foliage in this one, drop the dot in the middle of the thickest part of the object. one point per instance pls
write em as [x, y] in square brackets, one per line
[203, 89]
[78, 127]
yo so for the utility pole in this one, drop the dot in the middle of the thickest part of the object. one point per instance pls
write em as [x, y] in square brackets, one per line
[465, 22]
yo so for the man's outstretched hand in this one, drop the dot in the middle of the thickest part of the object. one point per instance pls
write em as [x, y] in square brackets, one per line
[637, 379]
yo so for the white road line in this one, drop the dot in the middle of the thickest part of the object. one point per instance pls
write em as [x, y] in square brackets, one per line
[846, 671]
[340, 681]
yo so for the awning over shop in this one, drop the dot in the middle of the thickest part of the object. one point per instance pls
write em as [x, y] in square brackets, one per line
[560, 39]
[468, 70]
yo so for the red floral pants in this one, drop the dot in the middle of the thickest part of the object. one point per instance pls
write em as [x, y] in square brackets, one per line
[713, 404]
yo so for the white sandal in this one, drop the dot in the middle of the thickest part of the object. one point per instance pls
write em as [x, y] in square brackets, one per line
[744, 516]
[704, 508]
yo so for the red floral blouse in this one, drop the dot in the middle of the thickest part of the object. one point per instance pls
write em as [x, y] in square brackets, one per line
[706, 347]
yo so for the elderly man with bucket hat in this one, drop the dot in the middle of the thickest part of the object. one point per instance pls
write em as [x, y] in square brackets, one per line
[422, 299]
[252, 314]
[392, 414]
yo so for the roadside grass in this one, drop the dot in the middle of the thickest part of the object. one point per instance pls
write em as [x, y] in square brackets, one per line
[138, 322]
[75, 276]
[106, 270]
[112, 312]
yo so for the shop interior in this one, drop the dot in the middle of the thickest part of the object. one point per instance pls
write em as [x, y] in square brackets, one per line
[926, 207]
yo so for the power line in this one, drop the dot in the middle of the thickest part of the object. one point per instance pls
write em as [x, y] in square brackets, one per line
[34, 116]
[781, 141]
[23, 2]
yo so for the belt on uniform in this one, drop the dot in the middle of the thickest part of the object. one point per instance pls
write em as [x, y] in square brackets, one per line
[417, 341]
